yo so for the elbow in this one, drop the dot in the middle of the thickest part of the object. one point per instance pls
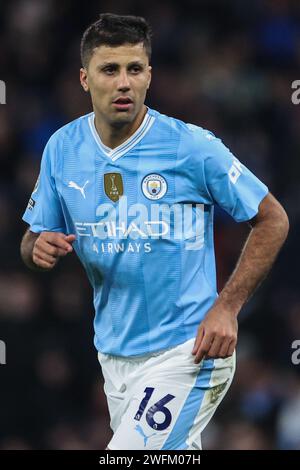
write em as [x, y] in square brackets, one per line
[279, 220]
[272, 214]
[283, 223]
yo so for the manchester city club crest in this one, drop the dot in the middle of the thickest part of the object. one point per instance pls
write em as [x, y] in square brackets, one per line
[154, 186]
[113, 185]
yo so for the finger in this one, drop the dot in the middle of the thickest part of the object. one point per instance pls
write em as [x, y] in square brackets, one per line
[224, 348]
[60, 246]
[42, 264]
[214, 350]
[44, 256]
[204, 347]
[58, 240]
[45, 246]
[62, 252]
[231, 348]
[70, 238]
[198, 339]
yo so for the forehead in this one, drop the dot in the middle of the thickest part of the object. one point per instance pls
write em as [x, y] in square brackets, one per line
[119, 54]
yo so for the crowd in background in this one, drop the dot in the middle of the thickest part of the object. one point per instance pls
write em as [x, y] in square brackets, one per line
[225, 65]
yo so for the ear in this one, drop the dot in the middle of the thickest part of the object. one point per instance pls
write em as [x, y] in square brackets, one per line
[84, 79]
[150, 76]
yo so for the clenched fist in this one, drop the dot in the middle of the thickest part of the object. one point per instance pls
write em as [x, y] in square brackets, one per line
[49, 247]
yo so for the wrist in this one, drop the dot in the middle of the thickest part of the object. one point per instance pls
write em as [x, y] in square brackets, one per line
[229, 305]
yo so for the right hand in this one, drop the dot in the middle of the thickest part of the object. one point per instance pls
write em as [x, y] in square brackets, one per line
[49, 247]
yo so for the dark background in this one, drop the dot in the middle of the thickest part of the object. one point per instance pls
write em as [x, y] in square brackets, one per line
[224, 65]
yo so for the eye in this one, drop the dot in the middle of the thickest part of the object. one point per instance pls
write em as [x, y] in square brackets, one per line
[135, 69]
[109, 70]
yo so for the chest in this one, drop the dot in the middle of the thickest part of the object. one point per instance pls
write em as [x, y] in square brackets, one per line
[91, 185]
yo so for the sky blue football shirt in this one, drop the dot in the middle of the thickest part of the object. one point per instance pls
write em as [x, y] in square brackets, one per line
[142, 214]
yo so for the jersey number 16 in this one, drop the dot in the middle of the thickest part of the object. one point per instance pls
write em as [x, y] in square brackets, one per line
[158, 406]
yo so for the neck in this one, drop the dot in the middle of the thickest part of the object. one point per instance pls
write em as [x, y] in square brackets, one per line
[113, 136]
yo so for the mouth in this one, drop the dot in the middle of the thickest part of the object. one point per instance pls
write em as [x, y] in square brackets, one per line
[123, 103]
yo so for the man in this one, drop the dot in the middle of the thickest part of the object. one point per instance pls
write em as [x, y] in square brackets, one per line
[132, 192]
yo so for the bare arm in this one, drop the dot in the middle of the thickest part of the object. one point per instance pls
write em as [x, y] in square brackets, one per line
[269, 231]
[26, 249]
[41, 251]
[217, 333]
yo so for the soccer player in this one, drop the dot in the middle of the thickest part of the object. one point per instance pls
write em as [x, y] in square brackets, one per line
[132, 191]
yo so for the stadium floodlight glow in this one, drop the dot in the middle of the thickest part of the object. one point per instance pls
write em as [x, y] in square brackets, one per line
[2, 353]
[2, 92]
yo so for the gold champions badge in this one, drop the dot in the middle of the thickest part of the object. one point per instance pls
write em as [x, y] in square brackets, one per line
[113, 185]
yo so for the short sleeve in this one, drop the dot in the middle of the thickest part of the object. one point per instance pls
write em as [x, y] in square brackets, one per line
[44, 211]
[230, 184]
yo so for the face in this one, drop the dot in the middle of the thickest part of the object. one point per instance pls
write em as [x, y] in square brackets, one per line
[118, 79]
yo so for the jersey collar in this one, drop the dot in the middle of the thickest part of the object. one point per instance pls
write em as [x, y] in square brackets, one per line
[119, 151]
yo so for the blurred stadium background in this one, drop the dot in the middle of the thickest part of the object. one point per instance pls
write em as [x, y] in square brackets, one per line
[225, 65]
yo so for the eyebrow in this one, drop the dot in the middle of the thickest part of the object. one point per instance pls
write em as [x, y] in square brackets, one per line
[115, 64]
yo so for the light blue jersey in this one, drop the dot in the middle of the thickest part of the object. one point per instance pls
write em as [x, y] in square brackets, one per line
[142, 214]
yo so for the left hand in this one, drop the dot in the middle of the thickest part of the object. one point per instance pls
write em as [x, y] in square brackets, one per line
[217, 334]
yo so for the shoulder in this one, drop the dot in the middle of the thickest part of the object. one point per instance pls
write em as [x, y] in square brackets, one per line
[192, 137]
[63, 142]
[70, 131]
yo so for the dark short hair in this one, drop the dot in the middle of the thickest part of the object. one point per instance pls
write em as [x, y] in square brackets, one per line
[115, 30]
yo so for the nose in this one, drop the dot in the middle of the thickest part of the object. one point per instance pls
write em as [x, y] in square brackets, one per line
[123, 83]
